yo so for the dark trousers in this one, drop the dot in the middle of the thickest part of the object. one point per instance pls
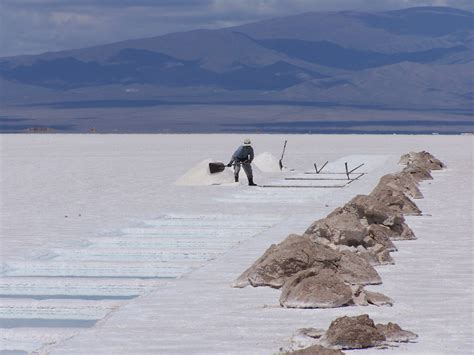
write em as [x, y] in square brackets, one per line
[247, 168]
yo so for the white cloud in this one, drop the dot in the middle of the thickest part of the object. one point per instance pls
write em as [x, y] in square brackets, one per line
[62, 18]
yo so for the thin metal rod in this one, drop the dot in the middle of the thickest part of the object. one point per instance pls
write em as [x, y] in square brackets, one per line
[329, 173]
[315, 179]
[357, 167]
[357, 178]
[304, 186]
[316, 167]
[280, 163]
[323, 166]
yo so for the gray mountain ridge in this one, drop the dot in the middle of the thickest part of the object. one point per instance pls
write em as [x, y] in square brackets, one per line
[413, 60]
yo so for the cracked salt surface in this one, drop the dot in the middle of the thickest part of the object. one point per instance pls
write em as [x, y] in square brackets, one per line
[131, 225]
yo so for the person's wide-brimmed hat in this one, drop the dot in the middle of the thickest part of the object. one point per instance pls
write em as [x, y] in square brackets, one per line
[247, 141]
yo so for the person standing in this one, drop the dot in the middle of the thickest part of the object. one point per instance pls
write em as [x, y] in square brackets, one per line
[243, 156]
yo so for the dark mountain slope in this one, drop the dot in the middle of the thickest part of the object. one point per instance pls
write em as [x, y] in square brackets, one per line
[332, 55]
[418, 58]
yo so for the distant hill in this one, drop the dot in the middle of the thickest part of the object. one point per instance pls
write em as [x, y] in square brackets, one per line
[412, 59]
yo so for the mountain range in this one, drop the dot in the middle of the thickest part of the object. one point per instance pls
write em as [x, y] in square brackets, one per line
[418, 61]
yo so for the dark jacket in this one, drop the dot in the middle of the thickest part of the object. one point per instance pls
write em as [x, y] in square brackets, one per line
[243, 153]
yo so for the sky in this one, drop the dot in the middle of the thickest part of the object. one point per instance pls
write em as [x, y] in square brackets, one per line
[37, 26]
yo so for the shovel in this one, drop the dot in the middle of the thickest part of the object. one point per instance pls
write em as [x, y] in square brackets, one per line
[216, 167]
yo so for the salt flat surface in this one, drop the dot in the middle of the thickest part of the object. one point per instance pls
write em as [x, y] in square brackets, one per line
[91, 221]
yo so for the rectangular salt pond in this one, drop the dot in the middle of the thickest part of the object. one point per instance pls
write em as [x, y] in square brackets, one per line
[7, 323]
[17, 312]
[185, 232]
[160, 245]
[95, 269]
[129, 254]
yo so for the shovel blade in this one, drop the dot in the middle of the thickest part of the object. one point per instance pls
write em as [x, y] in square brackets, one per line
[216, 167]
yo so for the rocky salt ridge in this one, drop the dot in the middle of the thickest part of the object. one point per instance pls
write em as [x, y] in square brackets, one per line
[329, 265]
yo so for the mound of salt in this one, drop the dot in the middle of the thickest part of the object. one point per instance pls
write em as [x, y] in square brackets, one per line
[267, 163]
[200, 175]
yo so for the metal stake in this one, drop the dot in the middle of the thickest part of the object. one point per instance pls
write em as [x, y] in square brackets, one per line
[316, 167]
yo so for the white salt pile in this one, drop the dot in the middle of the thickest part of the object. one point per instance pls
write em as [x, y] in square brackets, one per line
[267, 163]
[200, 175]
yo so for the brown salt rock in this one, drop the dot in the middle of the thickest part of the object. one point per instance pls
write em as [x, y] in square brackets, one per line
[394, 333]
[402, 232]
[347, 225]
[356, 270]
[341, 228]
[384, 258]
[316, 350]
[281, 261]
[376, 255]
[418, 173]
[353, 333]
[361, 297]
[318, 287]
[378, 299]
[349, 221]
[369, 256]
[403, 183]
[422, 159]
[395, 199]
[358, 296]
[372, 211]
[381, 234]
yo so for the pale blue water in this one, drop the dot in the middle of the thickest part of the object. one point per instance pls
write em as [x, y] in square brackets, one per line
[8, 323]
